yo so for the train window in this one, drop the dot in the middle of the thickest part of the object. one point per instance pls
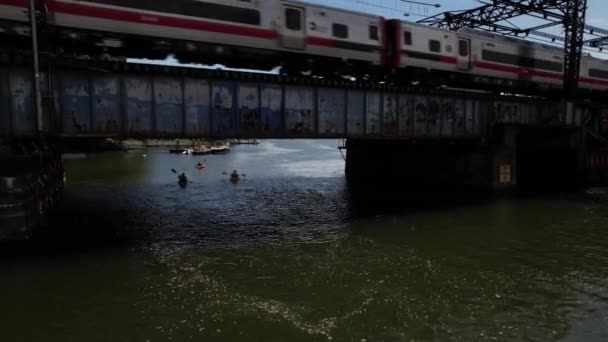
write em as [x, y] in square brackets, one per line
[340, 31]
[407, 37]
[373, 32]
[190, 8]
[598, 73]
[547, 65]
[435, 46]
[527, 62]
[463, 48]
[293, 19]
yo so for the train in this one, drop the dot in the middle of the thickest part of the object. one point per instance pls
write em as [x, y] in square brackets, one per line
[301, 37]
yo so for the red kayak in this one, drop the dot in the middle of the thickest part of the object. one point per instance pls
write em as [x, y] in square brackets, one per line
[200, 166]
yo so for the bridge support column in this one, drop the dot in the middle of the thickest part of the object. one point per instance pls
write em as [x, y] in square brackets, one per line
[421, 170]
[31, 180]
[529, 159]
[504, 158]
[549, 159]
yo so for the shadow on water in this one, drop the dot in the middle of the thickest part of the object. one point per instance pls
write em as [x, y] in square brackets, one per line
[76, 225]
[368, 200]
[365, 201]
[301, 256]
[104, 219]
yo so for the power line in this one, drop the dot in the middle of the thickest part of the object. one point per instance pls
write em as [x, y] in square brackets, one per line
[422, 3]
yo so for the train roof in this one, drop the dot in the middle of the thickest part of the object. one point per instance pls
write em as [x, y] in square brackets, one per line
[312, 4]
[489, 35]
[512, 40]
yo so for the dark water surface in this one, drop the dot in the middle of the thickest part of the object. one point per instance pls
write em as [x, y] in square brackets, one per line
[285, 256]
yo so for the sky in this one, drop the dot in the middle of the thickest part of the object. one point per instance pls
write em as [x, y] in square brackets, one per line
[597, 14]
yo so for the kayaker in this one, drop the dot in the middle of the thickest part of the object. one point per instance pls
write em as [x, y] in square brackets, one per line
[182, 180]
[234, 177]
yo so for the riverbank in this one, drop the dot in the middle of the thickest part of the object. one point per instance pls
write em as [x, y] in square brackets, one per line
[97, 145]
[132, 144]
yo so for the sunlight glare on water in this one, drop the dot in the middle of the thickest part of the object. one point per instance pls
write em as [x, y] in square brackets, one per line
[285, 255]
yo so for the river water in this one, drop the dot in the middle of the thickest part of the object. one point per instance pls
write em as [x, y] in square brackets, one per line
[285, 255]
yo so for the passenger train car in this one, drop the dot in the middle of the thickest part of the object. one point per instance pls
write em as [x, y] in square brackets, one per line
[298, 35]
[483, 54]
[265, 31]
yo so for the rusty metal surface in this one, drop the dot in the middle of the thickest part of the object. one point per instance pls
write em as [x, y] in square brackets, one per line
[507, 112]
[406, 115]
[5, 110]
[130, 105]
[271, 110]
[434, 117]
[300, 110]
[373, 120]
[16, 213]
[355, 113]
[469, 124]
[106, 105]
[23, 120]
[524, 111]
[168, 106]
[421, 109]
[460, 117]
[448, 117]
[28, 189]
[390, 115]
[75, 103]
[198, 104]
[332, 111]
[550, 113]
[249, 115]
[223, 114]
[139, 105]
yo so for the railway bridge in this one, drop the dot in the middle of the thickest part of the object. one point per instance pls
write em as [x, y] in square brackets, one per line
[436, 140]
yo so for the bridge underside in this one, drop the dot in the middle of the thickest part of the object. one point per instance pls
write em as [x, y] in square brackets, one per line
[156, 102]
[405, 142]
[517, 159]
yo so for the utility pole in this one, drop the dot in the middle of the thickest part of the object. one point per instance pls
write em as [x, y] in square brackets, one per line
[574, 24]
[36, 67]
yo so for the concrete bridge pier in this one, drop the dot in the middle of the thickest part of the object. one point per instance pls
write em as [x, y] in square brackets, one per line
[512, 158]
[418, 170]
[550, 159]
[31, 181]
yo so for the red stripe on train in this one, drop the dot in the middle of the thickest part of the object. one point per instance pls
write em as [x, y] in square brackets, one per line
[594, 81]
[536, 73]
[153, 19]
[16, 3]
[448, 59]
[320, 41]
[517, 70]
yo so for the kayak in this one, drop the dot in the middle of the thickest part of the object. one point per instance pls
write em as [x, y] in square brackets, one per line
[182, 180]
[201, 166]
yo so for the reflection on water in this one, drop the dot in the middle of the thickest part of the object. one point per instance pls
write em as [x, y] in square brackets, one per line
[283, 255]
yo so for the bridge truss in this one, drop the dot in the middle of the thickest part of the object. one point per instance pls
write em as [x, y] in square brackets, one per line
[569, 14]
